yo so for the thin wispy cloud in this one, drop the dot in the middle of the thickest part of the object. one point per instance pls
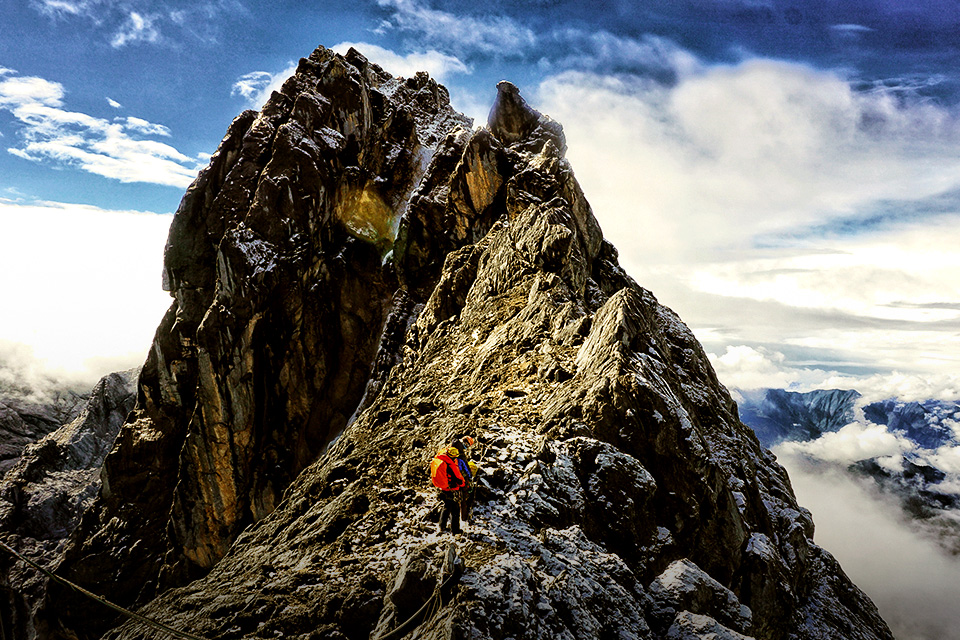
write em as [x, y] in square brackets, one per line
[465, 34]
[439, 65]
[605, 52]
[137, 28]
[141, 22]
[257, 86]
[851, 28]
[252, 84]
[147, 128]
[118, 149]
[63, 8]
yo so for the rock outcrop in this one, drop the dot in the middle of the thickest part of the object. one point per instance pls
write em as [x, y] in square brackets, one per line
[358, 275]
[24, 419]
[43, 496]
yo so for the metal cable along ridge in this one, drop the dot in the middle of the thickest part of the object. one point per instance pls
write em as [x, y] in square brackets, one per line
[126, 612]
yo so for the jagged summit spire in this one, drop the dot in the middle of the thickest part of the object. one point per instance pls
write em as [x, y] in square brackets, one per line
[512, 120]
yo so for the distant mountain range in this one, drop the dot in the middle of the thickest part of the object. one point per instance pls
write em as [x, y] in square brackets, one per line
[777, 415]
[910, 449]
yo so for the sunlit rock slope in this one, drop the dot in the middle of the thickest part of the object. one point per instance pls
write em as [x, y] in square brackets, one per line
[359, 275]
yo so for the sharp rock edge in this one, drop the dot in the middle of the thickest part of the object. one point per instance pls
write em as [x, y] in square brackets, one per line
[357, 276]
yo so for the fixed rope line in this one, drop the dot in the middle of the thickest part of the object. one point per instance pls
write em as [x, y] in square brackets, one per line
[432, 606]
[126, 612]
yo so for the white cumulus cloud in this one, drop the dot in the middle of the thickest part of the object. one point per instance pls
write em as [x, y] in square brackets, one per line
[116, 149]
[21, 90]
[854, 442]
[734, 152]
[770, 203]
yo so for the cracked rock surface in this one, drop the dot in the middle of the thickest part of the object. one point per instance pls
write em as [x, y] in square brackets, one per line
[358, 276]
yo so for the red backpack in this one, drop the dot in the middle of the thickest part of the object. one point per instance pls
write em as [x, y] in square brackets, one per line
[439, 471]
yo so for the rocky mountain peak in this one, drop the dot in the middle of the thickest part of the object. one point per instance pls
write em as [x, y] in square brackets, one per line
[357, 277]
[46, 492]
[511, 120]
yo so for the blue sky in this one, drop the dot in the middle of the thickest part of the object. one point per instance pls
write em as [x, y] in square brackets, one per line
[786, 175]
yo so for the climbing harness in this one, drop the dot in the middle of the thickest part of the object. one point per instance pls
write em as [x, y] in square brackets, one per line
[126, 612]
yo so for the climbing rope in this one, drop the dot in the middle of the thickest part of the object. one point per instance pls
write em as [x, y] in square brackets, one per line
[452, 569]
[126, 612]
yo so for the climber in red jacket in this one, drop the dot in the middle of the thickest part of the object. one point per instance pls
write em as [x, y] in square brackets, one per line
[447, 477]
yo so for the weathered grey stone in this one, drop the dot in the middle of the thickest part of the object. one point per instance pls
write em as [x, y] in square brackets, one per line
[46, 492]
[693, 626]
[686, 587]
[272, 480]
[26, 417]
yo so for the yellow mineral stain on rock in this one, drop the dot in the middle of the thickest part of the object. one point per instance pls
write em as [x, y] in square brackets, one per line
[483, 181]
[365, 214]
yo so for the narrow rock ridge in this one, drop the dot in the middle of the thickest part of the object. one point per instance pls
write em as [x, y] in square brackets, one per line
[275, 261]
[358, 276]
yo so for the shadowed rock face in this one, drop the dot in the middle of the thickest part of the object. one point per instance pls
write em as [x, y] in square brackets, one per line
[45, 493]
[313, 362]
[25, 420]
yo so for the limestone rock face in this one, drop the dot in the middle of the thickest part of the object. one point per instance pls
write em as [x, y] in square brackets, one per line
[46, 492]
[358, 277]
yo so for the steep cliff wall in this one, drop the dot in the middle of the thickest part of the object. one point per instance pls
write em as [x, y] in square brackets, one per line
[358, 265]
